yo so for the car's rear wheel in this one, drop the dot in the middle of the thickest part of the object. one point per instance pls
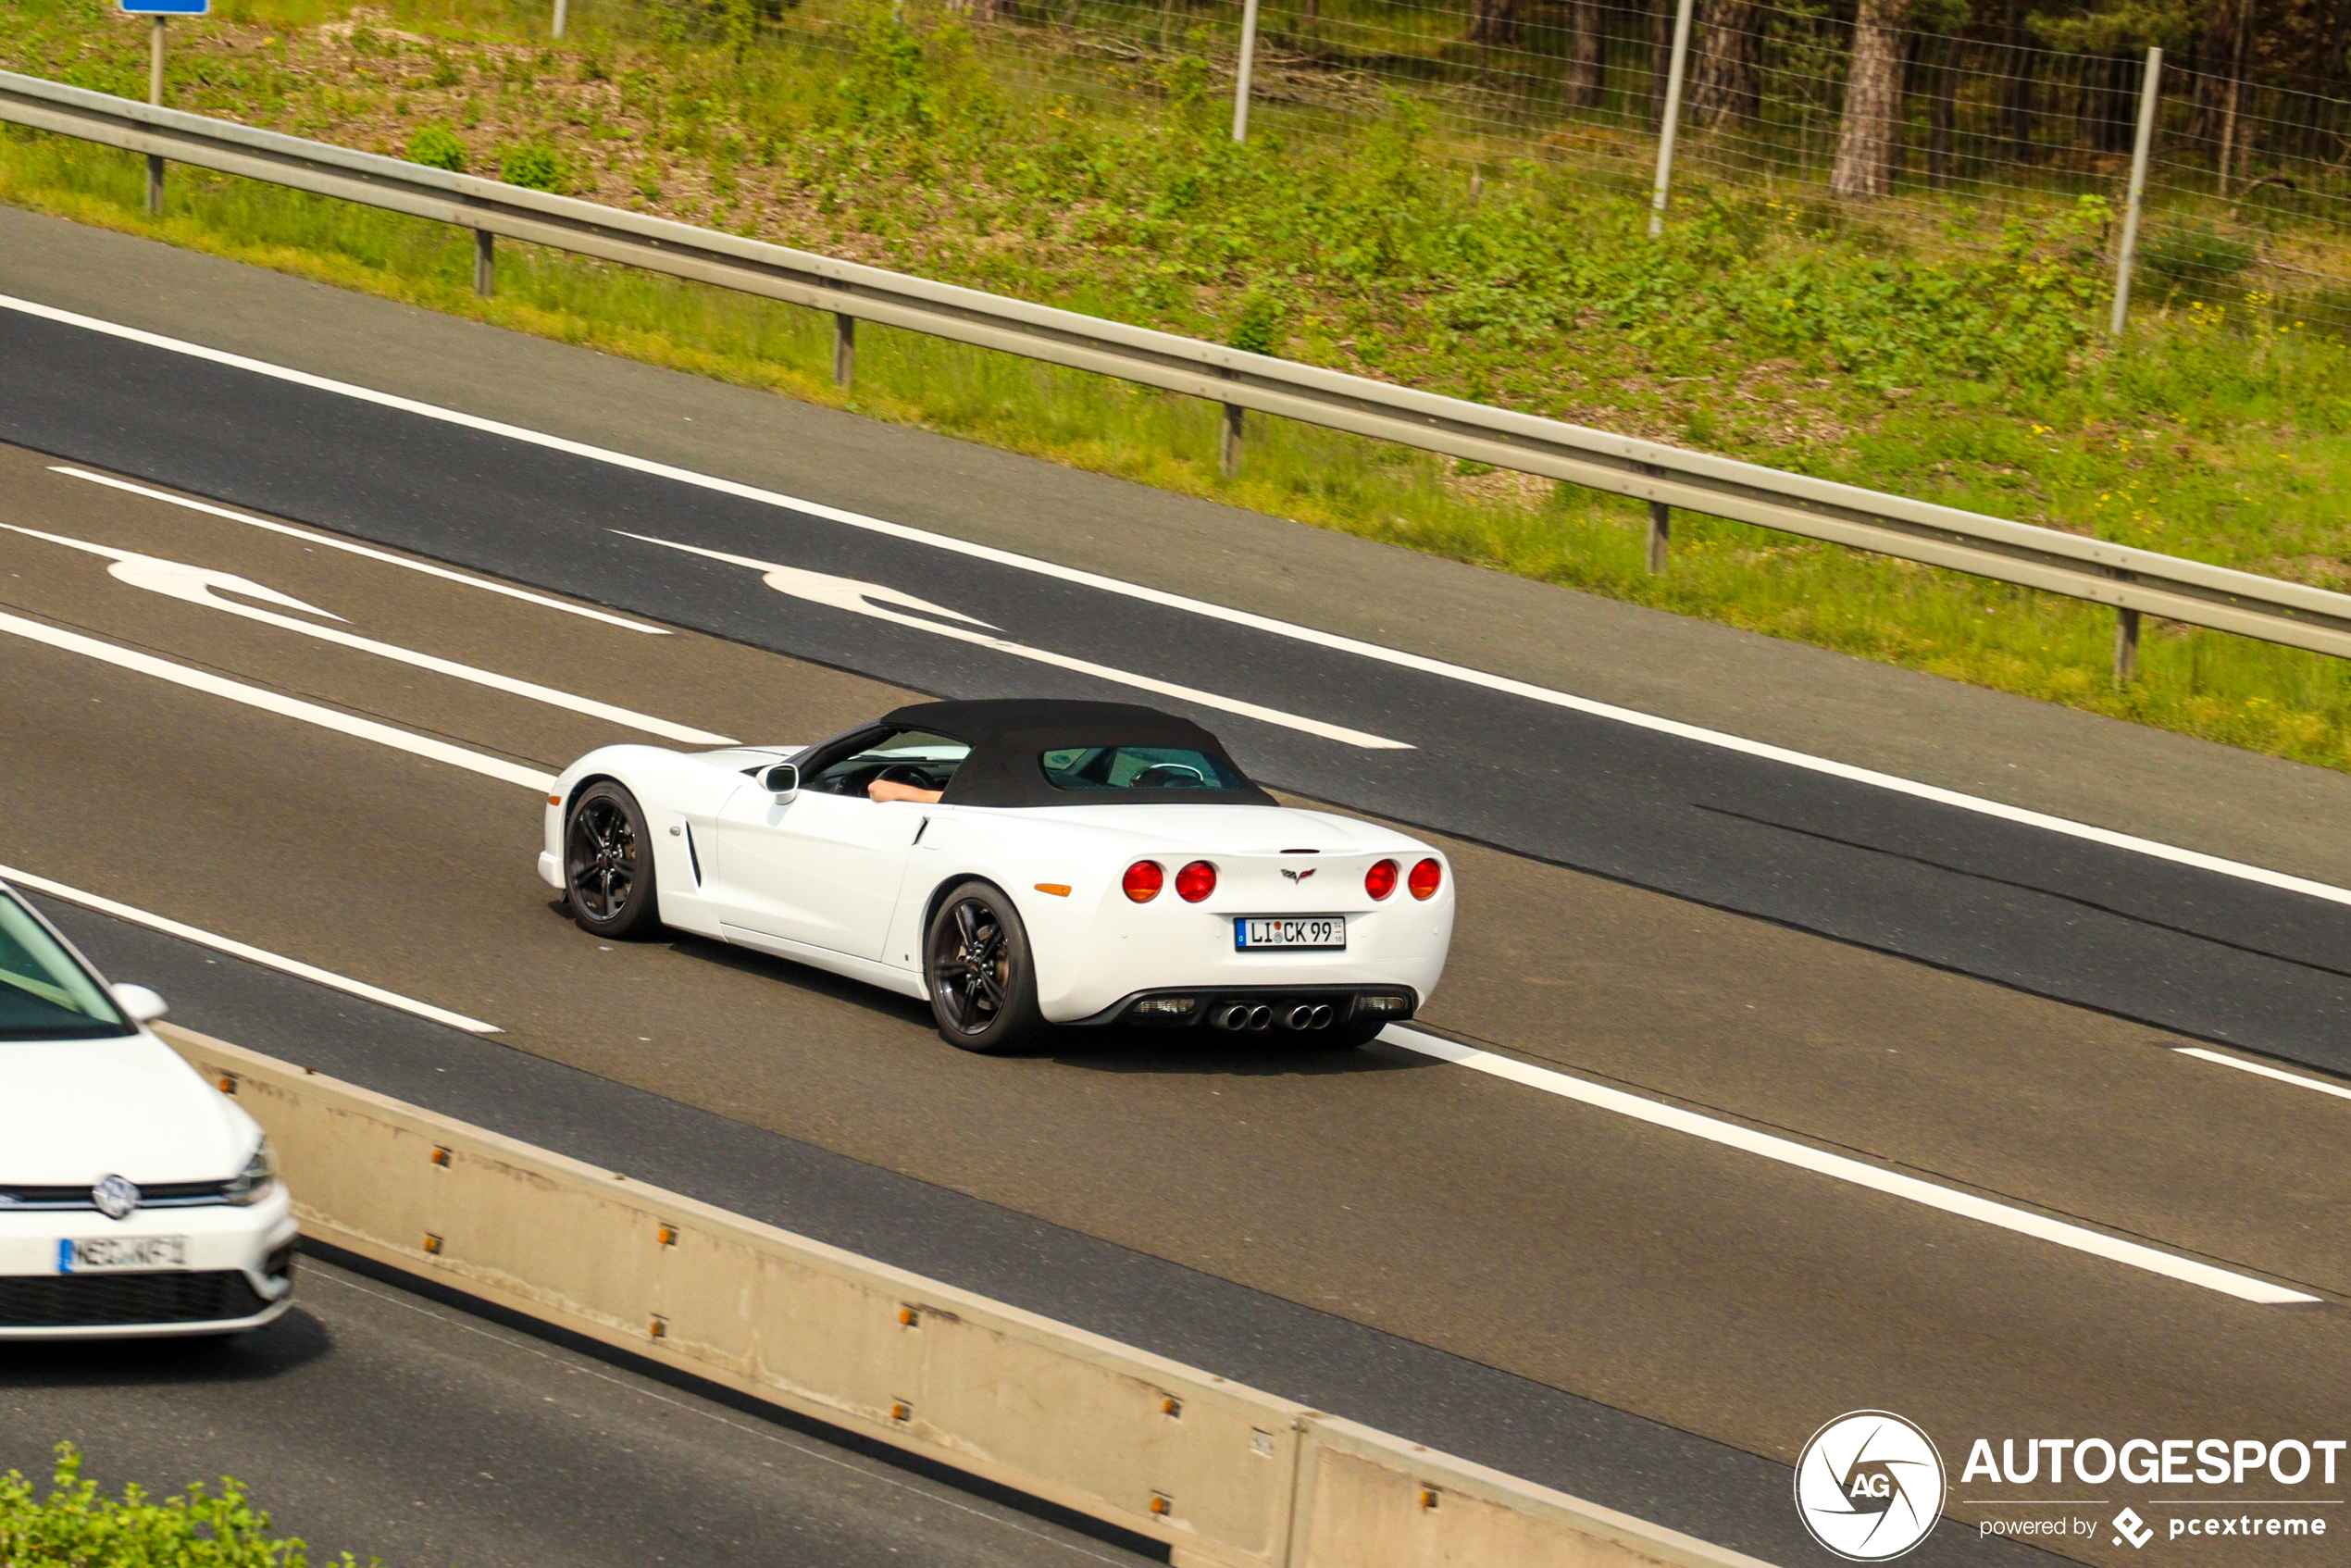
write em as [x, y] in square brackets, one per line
[608, 863]
[978, 972]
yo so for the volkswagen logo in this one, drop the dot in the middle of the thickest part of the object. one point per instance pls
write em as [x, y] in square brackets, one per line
[116, 1197]
[1869, 1485]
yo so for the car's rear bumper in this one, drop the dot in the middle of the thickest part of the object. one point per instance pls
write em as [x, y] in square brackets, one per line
[239, 1273]
[1208, 1004]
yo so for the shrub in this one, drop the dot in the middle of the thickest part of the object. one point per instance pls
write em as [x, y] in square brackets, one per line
[74, 1525]
[1258, 325]
[2196, 255]
[533, 166]
[436, 146]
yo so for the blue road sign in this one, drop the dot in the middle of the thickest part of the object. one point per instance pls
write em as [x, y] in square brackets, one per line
[165, 7]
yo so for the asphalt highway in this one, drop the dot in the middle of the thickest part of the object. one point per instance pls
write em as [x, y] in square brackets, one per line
[2220, 957]
[1648, 1317]
[374, 1421]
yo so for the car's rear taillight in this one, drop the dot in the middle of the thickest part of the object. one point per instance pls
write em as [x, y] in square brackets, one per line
[1196, 881]
[1143, 880]
[1427, 878]
[1380, 880]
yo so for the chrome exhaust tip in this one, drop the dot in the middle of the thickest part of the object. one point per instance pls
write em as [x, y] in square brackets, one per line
[1298, 1017]
[1233, 1017]
[1320, 1018]
[1260, 1016]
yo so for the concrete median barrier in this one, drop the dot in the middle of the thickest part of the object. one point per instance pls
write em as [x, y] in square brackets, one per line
[1223, 1474]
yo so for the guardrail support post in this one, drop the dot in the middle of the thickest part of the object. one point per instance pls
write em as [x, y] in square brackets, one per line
[155, 97]
[1241, 75]
[2126, 647]
[558, 28]
[1661, 531]
[485, 263]
[1675, 72]
[1228, 453]
[2148, 88]
[844, 348]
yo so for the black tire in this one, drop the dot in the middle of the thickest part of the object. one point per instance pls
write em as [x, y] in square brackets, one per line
[978, 973]
[608, 863]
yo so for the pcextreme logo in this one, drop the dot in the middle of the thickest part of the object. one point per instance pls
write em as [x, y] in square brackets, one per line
[1869, 1485]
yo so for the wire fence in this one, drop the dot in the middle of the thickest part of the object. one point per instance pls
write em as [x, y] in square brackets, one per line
[2248, 192]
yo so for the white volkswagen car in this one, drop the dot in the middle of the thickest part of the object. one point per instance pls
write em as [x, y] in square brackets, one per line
[1016, 863]
[135, 1199]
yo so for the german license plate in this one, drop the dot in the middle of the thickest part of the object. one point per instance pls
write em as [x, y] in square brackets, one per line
[105, 1254]
[1289, 930]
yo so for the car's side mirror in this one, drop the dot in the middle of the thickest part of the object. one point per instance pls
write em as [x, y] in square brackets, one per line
[781, 780]
[142, 1005]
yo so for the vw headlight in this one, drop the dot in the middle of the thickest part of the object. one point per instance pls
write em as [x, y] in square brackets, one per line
[252, 1184]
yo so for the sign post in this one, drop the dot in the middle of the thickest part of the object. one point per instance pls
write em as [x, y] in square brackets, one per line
[160, 12]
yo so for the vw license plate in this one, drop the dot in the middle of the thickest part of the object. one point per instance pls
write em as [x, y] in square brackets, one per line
[1290, 931]
[102, 1255]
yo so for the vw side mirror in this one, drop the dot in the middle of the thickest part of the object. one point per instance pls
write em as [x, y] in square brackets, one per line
[140, 1004]
[781, 780]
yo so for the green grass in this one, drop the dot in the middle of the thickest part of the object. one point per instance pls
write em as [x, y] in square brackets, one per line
[1812, 338]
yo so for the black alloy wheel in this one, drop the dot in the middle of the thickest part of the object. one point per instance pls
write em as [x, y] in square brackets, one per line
[608, 862]
[976, 970]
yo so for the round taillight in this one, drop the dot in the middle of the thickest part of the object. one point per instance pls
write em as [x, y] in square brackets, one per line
[1143, 880]
[1380, 880]
[1196, 881]
[1425, 879]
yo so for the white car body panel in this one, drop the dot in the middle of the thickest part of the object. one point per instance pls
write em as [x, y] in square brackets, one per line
[728, 863]
[75, 1111]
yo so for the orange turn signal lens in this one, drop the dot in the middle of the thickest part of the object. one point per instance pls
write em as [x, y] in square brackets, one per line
[1143, 880]
[1425, 879]
[554, 800]
[1059, 890]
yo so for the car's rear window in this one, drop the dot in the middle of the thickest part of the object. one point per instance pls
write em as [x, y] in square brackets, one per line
[1137, 768]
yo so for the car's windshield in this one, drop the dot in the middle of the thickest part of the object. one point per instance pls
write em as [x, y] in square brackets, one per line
[914, 757]
[1136, 767]
[44, 994]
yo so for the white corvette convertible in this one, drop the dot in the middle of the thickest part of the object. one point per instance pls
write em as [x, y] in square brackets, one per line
[1015, 864]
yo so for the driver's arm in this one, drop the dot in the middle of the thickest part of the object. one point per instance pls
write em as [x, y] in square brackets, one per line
[890, 789]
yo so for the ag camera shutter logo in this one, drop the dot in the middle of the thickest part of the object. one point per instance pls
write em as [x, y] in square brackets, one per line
[1869, 1485]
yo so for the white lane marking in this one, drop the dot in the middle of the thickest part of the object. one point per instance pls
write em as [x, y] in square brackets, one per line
[1787, 1152]
[1781, 755]
[353, 548]
[250, 954]
[203, 585]
[272, 702]
[2261, 1070]
[877, 599]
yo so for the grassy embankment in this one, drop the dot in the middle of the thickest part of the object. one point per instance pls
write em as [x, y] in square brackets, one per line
[1777, 330]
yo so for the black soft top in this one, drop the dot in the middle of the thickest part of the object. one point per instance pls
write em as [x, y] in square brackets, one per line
[1009, 737]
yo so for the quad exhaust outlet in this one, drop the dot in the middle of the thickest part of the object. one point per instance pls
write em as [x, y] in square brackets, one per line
[1263, 1016]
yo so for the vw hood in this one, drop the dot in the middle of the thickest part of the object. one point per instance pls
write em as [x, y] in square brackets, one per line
[74, 1109]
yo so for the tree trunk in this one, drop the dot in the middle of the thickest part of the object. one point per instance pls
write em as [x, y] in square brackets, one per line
[1870, 128]
[1587, 54]
[1493, 21]
[1726, 75]
[2018, 66]
[1661, 54]
[1943, 109]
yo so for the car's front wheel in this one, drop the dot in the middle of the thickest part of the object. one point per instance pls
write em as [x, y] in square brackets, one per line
[608, 862]
[978, 972]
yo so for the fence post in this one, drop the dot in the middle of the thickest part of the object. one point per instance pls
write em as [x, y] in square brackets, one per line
[1228, 453]
[485, 263]
[1660, 532]
[2148, 90]
[1241, 77]
[155, 97]
[844, 348]
[1671, 123]
[561, 5]
[2126, 646]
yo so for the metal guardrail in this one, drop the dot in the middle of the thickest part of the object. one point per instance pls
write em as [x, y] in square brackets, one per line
[2131, 581]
